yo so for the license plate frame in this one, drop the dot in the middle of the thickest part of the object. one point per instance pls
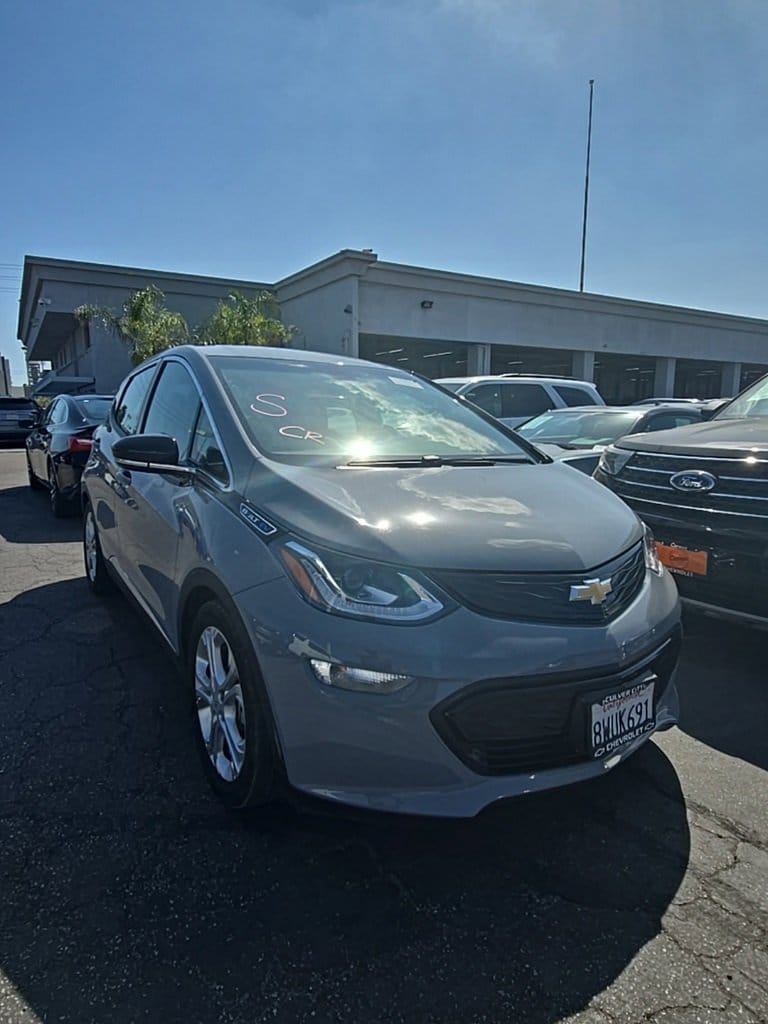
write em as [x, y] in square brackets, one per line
[617, 718]
[684, 561]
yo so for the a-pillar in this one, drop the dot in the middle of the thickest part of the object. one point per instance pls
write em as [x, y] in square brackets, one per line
[478, 360]
[730, 379]
[664, 381]
[583, 365]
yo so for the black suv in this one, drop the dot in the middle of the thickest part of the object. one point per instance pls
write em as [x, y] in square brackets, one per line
[17, 417]
[703, 490]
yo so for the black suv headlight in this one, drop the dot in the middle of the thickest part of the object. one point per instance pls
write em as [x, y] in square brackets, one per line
[613, 460]
[652, 560]
[344, 585]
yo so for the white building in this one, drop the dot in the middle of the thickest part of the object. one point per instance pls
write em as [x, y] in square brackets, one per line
[436, 322]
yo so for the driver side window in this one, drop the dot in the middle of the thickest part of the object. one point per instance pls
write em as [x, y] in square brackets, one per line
[205, 451]
[131, 402]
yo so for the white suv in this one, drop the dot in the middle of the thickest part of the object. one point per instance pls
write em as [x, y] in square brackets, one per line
[514, 398]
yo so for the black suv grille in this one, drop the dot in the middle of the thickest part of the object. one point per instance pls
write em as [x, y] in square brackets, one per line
[741, 487]
[503, 726]
[545, 597]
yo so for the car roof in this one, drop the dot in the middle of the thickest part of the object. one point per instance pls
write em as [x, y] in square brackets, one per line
[536, 378]
[205, 352]
[601, 410]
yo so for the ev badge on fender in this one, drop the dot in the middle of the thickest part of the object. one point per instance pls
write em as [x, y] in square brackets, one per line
[693, 480]
[594, 591]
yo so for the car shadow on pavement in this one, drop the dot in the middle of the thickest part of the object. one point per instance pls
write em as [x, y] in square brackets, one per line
[722, 685]
[26, 518]
[130, 894]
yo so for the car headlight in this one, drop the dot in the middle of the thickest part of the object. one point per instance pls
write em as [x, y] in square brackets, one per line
[652, 560]
[613, 460]
[345, 585]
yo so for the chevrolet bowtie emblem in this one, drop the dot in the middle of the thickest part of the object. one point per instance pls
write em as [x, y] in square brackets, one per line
[594, 591]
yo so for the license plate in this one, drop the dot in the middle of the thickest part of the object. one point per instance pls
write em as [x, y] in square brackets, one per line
[9, 417]
[683, 560]
[621, 717]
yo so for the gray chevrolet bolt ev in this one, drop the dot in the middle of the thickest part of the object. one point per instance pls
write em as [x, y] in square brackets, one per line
[380, 594]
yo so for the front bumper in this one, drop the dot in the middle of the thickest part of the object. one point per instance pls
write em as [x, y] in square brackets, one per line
[390, 752]
[736, 584]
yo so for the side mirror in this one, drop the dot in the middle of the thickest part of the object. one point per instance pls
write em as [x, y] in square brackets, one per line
[149, 453]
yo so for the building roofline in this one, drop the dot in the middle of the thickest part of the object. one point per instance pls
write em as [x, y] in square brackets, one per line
[48, 262]
[565, 293]
[365, 256]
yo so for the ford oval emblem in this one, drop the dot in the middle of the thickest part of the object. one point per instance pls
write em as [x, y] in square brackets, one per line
[697, 480]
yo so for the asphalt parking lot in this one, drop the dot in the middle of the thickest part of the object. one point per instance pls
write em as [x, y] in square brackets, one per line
[127, 894]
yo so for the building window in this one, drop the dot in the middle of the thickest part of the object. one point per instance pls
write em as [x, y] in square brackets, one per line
[622, 380]
[750, 372]
[552, 362]
[695, 378]
[432, 359]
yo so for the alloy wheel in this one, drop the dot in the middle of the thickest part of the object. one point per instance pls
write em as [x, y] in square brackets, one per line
[91, 545]
[220, 706]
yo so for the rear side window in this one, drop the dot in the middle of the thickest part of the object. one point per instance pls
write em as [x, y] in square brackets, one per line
[524, 400]
[486, 397]
[670, 420]
[131, 401]
[94, 410]
[574, 395]
[7, 404]
[174, 406]
[58, 412]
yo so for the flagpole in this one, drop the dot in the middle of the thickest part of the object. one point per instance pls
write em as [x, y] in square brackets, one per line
[586, 188]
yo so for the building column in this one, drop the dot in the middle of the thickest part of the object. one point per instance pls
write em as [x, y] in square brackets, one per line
[664, 381]
[583, 365]
[478, 360]
[730, 379]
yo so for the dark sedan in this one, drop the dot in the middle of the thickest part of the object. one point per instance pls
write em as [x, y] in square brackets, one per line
[59, 445]
[577, 436]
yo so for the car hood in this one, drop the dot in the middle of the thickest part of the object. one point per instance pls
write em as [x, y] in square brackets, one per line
[555, 451]
[507, 517]
[724, 438]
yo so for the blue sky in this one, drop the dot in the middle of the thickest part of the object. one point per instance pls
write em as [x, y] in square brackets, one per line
[249, 138]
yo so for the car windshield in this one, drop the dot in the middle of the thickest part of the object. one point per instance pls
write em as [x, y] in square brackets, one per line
[94, 410]
[573, 429]
[752, 403]
[302, 409]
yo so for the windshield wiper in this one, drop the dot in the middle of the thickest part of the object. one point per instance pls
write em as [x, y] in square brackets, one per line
[440, 460]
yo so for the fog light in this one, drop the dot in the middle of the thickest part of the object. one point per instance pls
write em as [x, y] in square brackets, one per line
[361, 679]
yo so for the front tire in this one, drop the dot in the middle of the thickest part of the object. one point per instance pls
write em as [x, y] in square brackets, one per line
[231, 709]
[96, 572]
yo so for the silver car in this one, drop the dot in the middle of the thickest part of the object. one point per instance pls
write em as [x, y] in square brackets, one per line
[380, 595]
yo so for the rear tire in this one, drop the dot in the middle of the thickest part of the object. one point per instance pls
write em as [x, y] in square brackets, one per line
[34, 483]
[232, 717]
[60, 506]
[96, 572]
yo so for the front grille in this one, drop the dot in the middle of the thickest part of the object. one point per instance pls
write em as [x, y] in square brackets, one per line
[545, 596]
[741, 489]
[505, 726]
